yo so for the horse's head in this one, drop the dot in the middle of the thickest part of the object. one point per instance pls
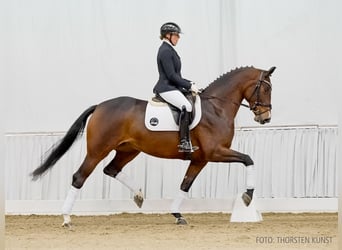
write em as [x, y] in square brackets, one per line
[259, 97]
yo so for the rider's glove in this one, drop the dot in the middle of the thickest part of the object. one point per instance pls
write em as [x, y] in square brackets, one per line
[194, 88]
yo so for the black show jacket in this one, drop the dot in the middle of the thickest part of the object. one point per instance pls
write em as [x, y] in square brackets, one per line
[169, 68]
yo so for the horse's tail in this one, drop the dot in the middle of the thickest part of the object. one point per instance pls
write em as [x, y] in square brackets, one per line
[64, 144]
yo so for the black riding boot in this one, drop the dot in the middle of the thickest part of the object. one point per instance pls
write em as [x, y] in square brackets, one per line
[184, 133]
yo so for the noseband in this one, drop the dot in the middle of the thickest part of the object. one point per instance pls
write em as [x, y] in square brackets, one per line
[256, 92]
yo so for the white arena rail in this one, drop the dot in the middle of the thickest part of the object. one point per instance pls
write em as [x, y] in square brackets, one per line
[296, 171]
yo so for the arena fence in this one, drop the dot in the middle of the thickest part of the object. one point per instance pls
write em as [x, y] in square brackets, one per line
[296, 171]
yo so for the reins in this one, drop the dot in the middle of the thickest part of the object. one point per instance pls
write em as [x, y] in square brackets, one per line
[245, 105]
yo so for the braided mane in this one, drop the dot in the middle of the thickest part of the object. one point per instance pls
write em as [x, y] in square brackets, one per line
[226, 76]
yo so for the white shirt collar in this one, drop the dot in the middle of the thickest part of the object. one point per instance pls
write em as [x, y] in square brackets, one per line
[167, 41]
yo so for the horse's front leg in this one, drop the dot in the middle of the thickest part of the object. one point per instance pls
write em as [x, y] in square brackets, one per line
[193, 170]
[229, 155]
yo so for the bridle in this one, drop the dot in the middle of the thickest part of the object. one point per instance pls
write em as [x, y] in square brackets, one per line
[256, 92]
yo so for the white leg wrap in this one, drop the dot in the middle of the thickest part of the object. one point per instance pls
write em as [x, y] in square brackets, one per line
[250, 177]
[70, 200]
[177, 202]
[128, 182]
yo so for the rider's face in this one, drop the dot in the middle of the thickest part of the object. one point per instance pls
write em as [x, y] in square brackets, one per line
[174, 38]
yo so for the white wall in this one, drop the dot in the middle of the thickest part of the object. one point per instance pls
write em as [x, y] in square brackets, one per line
[63, 56]
[59, 57]
[302, 38]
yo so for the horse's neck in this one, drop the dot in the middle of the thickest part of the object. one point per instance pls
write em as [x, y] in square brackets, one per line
[226, 100]
[230, 90]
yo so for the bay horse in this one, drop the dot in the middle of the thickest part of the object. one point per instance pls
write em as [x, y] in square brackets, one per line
[118, 124]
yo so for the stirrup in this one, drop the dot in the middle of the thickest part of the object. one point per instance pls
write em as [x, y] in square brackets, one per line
[186, 147]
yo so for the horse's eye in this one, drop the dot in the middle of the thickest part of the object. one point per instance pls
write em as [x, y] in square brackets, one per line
[267, 88]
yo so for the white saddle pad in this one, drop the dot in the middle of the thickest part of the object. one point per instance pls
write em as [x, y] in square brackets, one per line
[158, 117]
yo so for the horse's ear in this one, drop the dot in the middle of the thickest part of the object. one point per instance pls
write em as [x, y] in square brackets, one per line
[270, 71]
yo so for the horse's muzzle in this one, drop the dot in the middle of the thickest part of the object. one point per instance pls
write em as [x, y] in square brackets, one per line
[263, 118]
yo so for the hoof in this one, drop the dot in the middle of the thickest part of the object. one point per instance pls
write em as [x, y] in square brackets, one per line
[181, 221]
[66, 225]
[139, 198]
[246, 199]
[67, 221]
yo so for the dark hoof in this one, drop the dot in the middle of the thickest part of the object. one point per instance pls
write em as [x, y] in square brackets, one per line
[139, 199]
[66, 225]
[181, 221]
[246, 199]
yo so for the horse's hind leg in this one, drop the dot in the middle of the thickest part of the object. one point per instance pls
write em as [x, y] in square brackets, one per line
[113, 169]
[193, 170]
[78, 180]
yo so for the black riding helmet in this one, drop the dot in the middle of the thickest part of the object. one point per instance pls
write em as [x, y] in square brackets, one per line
[169, 28]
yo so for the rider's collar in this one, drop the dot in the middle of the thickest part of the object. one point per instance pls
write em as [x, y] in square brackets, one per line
[167, 41]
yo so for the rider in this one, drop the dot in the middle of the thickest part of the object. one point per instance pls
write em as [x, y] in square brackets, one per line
[171, 84]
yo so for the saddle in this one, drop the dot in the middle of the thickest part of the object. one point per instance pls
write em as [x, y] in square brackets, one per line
[162, 116]
[175, 111]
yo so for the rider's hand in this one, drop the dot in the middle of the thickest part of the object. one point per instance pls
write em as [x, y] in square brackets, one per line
[194, 88]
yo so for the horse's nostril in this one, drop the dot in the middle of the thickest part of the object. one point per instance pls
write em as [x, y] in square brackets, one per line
[263, 121]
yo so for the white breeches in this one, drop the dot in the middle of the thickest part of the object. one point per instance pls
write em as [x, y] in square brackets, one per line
[177, 99]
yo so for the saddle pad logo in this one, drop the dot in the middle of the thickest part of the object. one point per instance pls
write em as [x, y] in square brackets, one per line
[154, 121]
